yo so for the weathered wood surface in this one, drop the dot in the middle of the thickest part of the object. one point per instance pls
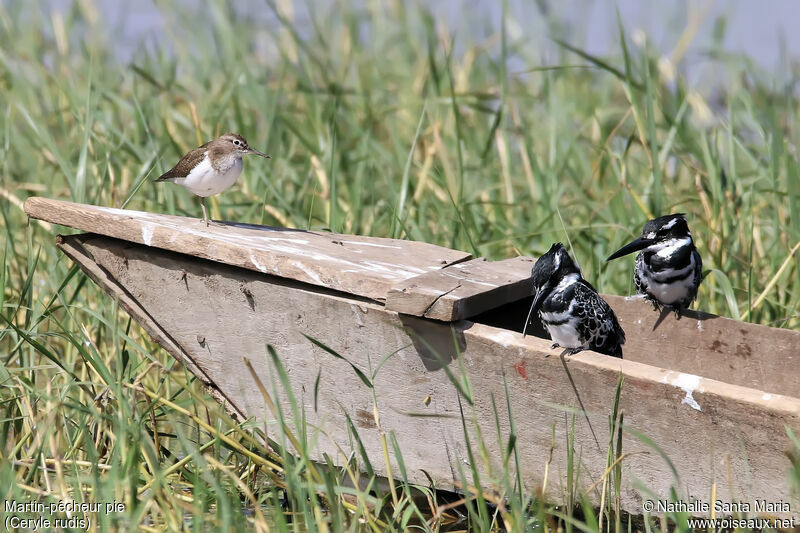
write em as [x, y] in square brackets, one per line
[700, 343]
[215, 314]
[364, 266]
[727, 350]
[463, 290]
[73, 247]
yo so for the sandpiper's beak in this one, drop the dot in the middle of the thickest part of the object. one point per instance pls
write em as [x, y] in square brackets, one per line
[256, 152]
[639, 244]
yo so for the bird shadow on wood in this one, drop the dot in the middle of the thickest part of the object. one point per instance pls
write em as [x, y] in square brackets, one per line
[665, 311]
[686, 313]
[437, 343]
[511, 316]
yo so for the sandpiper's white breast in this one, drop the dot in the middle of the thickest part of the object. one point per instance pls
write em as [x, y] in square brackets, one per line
[204, 181]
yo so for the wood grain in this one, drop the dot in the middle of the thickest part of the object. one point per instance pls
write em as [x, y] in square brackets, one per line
[727, 350]
[463, 290]
[363, 266]
[711, 431]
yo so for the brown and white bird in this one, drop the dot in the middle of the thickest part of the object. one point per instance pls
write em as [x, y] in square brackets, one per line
[211, 168]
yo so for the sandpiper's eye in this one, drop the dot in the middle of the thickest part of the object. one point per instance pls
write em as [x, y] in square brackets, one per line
[236, 142]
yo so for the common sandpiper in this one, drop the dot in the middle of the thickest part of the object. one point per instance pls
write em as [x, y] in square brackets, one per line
[211, 168]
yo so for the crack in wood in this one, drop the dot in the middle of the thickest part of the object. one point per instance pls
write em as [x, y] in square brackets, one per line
[367, 267]
[427, 310]
[651, 394]
[445, 264]
[482, 285]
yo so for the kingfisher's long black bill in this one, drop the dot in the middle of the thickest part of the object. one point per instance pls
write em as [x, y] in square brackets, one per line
[639, 244]
[537, 302]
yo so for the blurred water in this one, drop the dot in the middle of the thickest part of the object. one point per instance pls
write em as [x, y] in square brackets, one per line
[763, 31]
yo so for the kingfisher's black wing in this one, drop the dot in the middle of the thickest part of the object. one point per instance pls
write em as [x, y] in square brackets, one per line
[698, 275]
[597, 324]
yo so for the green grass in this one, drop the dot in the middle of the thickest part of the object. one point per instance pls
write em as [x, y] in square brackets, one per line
[380, 121]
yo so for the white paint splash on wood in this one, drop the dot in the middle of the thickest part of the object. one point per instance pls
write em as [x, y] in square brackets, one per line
[116, 211]
[382, 335]
[688, 383]
[309, 272]
[293, 241]
[266, 243]
[366, 266]
[400, 270]
[476, 282]
[374, 244]
[147, 234]
[256, 264]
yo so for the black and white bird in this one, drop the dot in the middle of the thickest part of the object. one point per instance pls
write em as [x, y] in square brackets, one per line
[668, 269]
[576, 317]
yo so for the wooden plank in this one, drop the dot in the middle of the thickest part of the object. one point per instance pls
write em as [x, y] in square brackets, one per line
[364, 266]
[712, 432]
[700, 343]
[727, 350]
[464, 289]
[72, 246]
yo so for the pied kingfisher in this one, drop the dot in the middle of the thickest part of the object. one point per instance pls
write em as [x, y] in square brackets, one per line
[668, 269]
[576, 317]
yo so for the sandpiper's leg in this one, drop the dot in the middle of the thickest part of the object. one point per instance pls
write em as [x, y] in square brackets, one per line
[203, 205]
[206, 218]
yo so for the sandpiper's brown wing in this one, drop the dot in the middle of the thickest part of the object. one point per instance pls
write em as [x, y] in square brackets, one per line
[186, 164]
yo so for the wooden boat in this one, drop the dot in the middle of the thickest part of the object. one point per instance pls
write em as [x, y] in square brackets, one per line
[707, 401]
